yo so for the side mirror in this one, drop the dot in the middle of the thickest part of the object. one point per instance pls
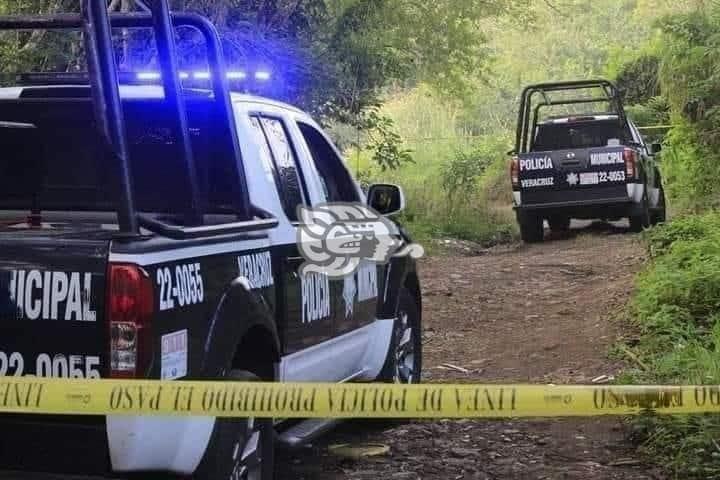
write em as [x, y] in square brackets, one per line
[386, 198]
[655, 148]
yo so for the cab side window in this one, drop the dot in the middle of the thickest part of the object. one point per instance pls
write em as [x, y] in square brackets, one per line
[276, 145]
[338, 186]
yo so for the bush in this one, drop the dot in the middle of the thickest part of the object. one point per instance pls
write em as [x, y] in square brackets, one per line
[638, 79]
[462, 174]
[690, 82]
[458, 183]
[687, 278]
[687, 229]
[676, 306]
[455, 189]
[655, 111]
[690, 169]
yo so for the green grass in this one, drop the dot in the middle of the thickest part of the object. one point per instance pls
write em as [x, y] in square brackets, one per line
[443, 156]
[676, 307]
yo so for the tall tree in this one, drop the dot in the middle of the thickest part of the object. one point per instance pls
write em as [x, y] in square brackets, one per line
[331, 56]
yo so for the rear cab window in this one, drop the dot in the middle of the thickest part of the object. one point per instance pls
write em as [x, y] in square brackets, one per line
[587, 134]
[57, 162]
[273, 138]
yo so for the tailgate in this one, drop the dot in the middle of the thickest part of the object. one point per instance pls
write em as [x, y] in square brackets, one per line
[51, 305]
[572, 175]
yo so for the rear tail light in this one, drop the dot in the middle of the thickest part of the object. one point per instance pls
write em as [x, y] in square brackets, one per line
[515, 171]
[630, 157]
[130, 305]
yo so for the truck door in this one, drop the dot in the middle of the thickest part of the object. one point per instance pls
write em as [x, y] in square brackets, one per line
[355, 295]
[303, 319]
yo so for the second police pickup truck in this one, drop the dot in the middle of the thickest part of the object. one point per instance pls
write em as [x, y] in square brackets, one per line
[150, 232]
[587, 166]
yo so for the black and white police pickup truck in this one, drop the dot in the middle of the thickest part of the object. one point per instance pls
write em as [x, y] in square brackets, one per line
[151, 232]
[586, 166]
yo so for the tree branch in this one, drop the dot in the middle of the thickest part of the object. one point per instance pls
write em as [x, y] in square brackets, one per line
[554, 8]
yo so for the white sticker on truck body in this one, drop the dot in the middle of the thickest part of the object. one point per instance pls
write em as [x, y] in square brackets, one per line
[597, 178]
[606, 158]
[173, 358]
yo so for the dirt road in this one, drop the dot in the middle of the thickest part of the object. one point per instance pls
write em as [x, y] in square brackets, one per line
[541, 313]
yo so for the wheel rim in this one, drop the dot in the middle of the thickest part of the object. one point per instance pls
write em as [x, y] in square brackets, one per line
[404, 350]
[247, 453]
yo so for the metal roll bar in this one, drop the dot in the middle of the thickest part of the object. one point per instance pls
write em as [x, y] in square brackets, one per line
[97, 25]
[523, 130]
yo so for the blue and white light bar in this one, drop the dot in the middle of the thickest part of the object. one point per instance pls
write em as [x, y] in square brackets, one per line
[148, 76]
[139, 77]
[260, 75]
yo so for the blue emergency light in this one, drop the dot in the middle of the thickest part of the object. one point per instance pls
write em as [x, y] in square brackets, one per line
[149, 76]
[260, 75]
[238, 79]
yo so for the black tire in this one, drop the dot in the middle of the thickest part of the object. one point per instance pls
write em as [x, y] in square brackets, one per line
[559, 224]
[230, 453]
[660, 213]
[403, 363]
[531, 228]
[643, 219]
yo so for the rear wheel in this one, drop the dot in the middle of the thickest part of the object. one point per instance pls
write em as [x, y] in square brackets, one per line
[559, 224]
[660, 213]
[531, 227]
[641, 220]
[240, 448]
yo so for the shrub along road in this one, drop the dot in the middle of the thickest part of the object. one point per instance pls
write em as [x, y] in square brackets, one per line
[543, 313]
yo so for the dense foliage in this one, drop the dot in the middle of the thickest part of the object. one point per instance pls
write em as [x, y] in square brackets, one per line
[460, 141]
[677, 310]
[691, 80]
[331, 56]
[638, 79]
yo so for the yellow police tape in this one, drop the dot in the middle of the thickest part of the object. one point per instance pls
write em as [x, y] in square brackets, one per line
[304, 400]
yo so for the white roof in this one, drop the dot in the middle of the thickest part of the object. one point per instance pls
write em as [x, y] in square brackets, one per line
[147, 92]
